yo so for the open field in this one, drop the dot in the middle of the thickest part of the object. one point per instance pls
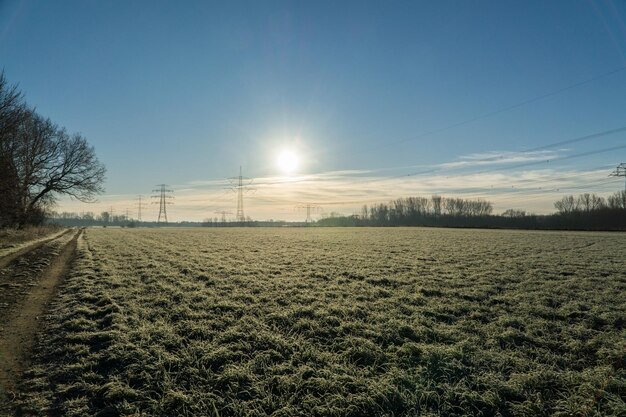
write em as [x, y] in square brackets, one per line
[345, 322]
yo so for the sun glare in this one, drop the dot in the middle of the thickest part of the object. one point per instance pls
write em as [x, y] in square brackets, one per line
[287, 161]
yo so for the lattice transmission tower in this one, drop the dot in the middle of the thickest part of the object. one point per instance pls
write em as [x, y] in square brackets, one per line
[140, 206]
[240, 185]
[224, 213]
[620, 171]
[164, 196]
[310, 207]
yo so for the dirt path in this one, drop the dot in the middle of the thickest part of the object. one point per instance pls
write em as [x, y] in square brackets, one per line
[7, 259]
[17, 336]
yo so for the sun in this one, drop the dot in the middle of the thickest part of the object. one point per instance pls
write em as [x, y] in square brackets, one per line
[287, 161]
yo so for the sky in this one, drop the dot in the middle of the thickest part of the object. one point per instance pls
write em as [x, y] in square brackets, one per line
[377, 100]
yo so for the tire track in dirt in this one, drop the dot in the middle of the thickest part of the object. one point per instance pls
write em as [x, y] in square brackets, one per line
[7, 259]
[18, 335]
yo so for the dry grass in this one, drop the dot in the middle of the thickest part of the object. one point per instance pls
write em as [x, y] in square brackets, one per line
[10, 237]
[336, 322]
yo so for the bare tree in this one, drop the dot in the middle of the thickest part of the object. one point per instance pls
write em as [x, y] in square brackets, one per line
[56, 163]
[436, 204]
[514, 213]
[40, 161]
[12, 108]
[586, 202]
[597, 202]
[364, 212]
[105, 217]
[12, 115]
[567, 204]
[617, 200]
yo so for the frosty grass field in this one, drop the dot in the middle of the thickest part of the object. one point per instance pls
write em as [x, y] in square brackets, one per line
[336, 322]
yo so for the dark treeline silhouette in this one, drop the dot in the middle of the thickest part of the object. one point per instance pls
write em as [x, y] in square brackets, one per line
[585, 212]
[105, 219]
[39, 160]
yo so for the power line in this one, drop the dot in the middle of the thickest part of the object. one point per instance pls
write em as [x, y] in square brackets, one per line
[520, 192]
[540, 193]
[522, 165]
[580, 139]
[491, 113]
[562, 158]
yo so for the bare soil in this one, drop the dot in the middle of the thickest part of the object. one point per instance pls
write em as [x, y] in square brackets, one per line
[24, 308]
[6, 260]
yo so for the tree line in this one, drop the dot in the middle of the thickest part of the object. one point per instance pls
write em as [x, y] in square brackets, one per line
[409, 210]
[586, 203]
[583, 212]
[40, 161]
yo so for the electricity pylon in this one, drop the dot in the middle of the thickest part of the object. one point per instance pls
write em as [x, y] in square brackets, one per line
[620, 171]
[309, 208]
[140, 205]
[224, 213]
[164, 196]
[240, 185]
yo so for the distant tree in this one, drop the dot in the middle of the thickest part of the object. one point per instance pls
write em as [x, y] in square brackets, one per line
[617, 200]
[105, 217]
[119, 218]
[590, 202]
[379, 214]
[514, 213]
[88, 216]
[436, 204]
[364, 212]
[566, 205]
[478, 208]
[597, 202]
[454, 206]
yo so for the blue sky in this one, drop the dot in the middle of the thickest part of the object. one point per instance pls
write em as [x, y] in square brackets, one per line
[185, 92]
